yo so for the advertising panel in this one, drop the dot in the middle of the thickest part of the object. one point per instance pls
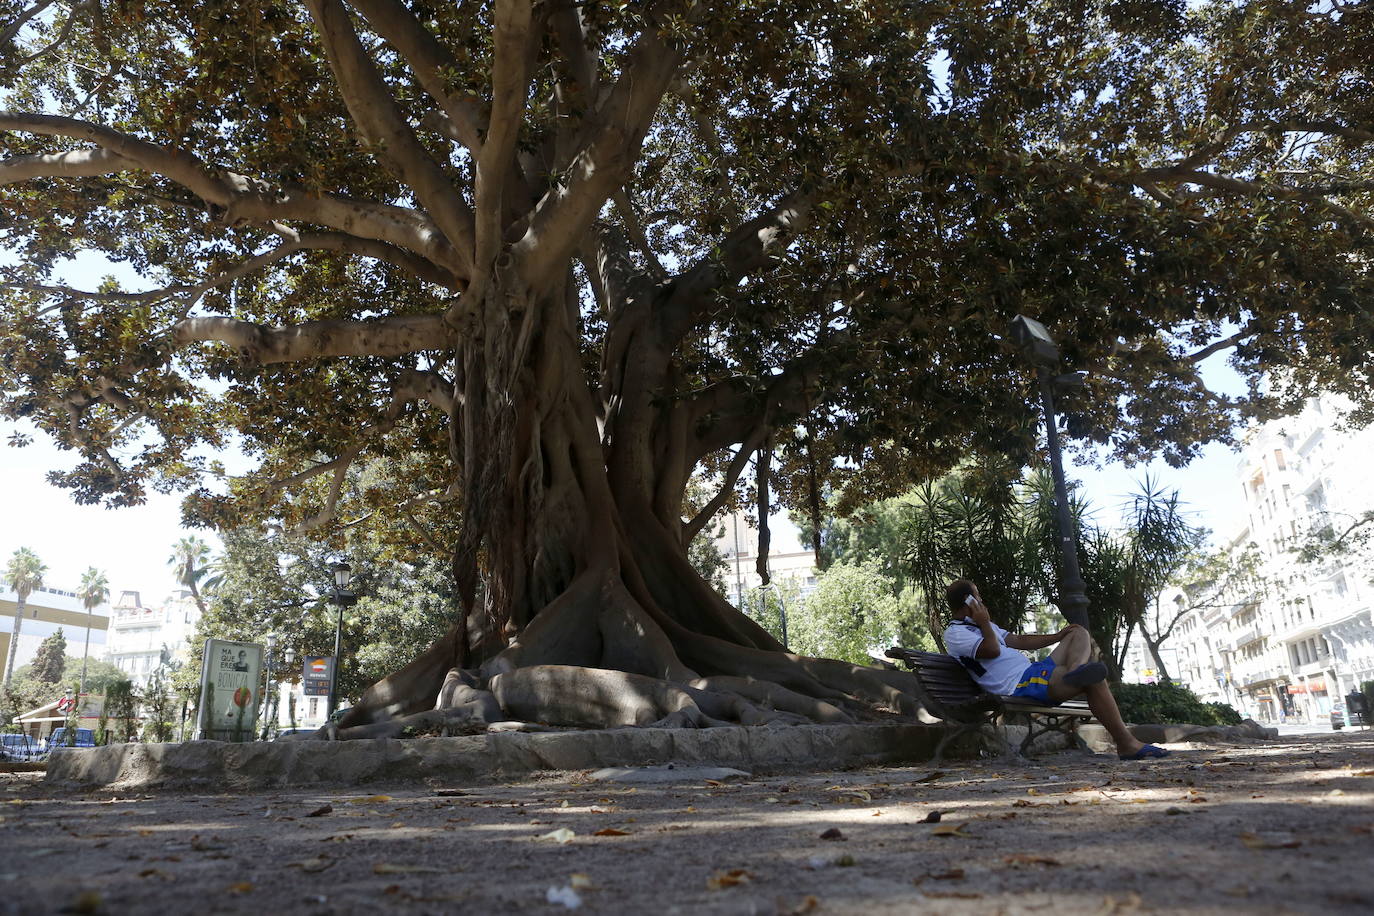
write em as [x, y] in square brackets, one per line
[230, 690]
[317, 675]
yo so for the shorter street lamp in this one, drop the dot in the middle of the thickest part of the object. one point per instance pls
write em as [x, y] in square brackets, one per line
[1036, 344]
[271, 685]
[342, 597]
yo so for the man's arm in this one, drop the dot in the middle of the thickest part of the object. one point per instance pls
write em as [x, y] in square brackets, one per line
[990, 647]
[1039, 640]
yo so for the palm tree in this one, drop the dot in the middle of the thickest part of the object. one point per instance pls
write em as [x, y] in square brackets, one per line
[24, 574]
[95, 589]
[188, 562]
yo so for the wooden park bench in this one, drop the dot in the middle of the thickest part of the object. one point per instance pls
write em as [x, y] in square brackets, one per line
[950, 694]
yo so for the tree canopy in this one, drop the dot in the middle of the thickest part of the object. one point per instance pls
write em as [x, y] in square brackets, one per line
[557, 257]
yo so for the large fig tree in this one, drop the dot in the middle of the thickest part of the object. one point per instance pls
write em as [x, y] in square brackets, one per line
[553, 258]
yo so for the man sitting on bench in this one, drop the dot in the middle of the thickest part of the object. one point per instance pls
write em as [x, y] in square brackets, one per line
[991, 656]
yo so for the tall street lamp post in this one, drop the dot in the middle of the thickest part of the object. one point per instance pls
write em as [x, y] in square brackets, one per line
[1036, 344]
[342, 597]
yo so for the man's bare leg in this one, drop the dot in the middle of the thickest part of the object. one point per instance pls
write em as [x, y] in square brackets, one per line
[1077, 649]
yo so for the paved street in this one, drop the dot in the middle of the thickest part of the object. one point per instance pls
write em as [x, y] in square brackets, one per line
[1278, 827]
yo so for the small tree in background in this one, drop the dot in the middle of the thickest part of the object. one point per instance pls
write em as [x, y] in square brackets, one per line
[159, 702]
[121, 704]
[851, 613]
[51, 659]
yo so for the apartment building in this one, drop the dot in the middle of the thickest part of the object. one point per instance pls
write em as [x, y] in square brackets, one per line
[45, 611]
[145, 637]
[1287, 651]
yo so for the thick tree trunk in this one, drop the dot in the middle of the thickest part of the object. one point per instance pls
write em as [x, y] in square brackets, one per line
[591, 614]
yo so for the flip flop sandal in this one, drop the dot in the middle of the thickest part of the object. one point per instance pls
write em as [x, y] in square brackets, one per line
[1148, 752]
[1086, 674]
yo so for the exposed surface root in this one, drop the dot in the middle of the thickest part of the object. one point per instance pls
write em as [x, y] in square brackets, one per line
[597, 657]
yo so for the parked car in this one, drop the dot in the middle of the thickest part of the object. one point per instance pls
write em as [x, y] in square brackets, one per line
[19, 748]
[1353, 715]
[84, 738]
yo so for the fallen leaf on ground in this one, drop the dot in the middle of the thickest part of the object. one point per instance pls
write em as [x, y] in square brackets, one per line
[834, 833]
[949, 830]
[942, 895]
[241, 887]
[389, 868]
[608, 831]
[450, 792]
[1270, 840]
[155, 873]
[580, 882]
[311, 865]
[370, 800]
[807, 904]
[731, 878]
[560, 836]
[1034, 791]
[931, 776]
[321, 811]
[85, 902]
[1025, 858]
[1129, 902]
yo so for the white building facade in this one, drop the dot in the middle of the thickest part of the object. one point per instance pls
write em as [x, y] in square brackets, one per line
[1288, 651]
[145, 637]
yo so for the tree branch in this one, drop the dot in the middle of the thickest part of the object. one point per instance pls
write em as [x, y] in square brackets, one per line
[243, 199]
[261, 345]
[428, 60]
[614, 132]
[379, 120]
[13, 28]
[737, 465]
[509, 87]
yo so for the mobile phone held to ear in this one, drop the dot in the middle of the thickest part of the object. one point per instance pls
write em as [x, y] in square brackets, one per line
[970, 601]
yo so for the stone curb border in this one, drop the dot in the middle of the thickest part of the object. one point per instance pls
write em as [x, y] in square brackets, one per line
[217, 765]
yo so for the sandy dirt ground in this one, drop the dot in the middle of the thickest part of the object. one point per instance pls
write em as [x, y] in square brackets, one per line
[1275, 827]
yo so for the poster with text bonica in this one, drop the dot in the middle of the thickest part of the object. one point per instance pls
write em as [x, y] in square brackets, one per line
[230, 684]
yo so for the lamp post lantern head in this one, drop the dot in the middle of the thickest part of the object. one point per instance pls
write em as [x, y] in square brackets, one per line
[343, 573]
[1034, 341]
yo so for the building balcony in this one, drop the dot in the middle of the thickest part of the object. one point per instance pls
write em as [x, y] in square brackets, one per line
[1247, 635]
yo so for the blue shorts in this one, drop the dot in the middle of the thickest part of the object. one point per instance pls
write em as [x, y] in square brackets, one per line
[1035, 681]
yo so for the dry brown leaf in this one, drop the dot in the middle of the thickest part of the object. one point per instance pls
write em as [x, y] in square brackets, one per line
[1129, 902]
[948, 830]
[370, 800]
[731, 878]
[241, 887]
[931, 776]
[1269, 840]
[611, 831]
[388, 868]
[807, 904]
[86, 902]
[1034, 791]
[321, 811]
[1025, 858]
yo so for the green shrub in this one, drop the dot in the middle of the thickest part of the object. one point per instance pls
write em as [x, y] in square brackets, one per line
[1170, 704]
